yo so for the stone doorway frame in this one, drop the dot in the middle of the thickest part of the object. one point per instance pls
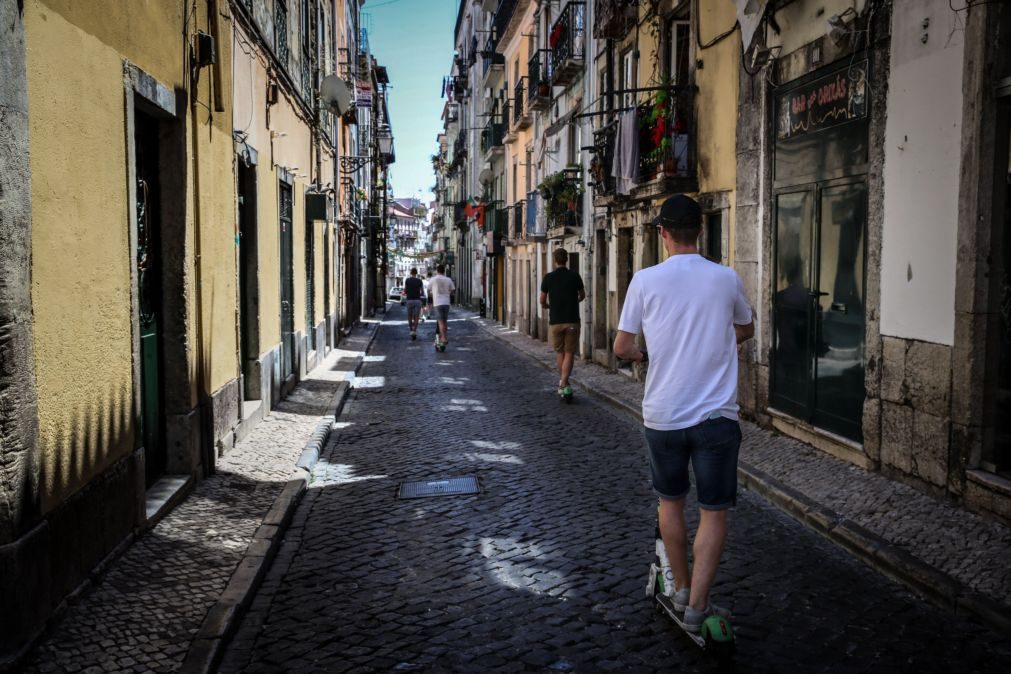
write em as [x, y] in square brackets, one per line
[987, 81]
[182, 423]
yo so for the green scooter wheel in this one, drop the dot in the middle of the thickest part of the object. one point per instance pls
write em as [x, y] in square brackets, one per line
[719, 636]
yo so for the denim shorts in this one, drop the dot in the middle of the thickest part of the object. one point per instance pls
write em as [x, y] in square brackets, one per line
[413, 308]
[711, 447]
[442, 312]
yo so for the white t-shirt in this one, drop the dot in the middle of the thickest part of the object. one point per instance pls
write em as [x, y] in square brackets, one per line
[440, 286]
[424, 289]
[686, 308]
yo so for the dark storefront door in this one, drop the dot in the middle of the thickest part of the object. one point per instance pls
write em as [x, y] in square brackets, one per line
[249, 314]
[310, 284]
[150, 320]
[287, 284]
[997, 447]
[820, 217]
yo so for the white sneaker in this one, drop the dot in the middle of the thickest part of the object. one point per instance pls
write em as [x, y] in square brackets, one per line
[678, 597]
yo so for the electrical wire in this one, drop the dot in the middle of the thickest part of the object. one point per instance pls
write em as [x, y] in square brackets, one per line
[698, 30]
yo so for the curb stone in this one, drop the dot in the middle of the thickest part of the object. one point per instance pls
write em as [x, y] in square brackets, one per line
[220, 622]
[892, 561]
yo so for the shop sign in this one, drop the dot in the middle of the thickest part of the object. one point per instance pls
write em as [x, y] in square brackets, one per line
[823, 103]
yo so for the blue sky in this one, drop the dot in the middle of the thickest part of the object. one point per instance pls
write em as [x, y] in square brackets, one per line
[414, 40]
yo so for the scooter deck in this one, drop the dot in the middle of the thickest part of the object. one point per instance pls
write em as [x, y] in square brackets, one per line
[667, 605]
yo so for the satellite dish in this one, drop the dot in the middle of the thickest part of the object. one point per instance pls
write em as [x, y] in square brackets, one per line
[335, 94]
[486, 176]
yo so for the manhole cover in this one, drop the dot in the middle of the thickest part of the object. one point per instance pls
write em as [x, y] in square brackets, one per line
[450, 486]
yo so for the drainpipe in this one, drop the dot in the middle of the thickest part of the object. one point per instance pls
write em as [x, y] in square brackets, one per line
[202, 351]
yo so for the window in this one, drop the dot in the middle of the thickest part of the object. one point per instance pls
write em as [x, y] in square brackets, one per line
[678, 49]
[714, 236]
[305, 26]
[281, 30]
[627, 79]
[515, 194]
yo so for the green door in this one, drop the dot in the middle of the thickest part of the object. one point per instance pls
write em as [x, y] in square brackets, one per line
[149, 269]
[287, 284]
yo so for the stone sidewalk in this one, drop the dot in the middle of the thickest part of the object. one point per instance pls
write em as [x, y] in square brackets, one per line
[169, 601]
[950, 555]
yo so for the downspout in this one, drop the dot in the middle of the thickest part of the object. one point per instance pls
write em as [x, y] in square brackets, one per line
[202, 353]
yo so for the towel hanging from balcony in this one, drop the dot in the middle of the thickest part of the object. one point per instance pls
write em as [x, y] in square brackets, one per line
[625, 167]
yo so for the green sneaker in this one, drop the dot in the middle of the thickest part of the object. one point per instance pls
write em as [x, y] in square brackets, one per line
[567, 391]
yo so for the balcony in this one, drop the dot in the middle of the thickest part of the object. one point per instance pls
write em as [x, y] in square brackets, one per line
[516, 228]
[534, 218]
[568, 40]
[521, 106]
[492, 138]
[539, 80]
[502, 16]
[460, 86]
[562, 196]
[459, 217]
[612, 19]
[496, 219]
[492, 61]
[667, 160]
[602, 162]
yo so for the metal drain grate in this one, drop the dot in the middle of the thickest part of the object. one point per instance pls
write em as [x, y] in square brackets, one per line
[451, 486]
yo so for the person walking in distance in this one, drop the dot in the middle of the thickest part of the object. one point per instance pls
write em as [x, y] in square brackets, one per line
[561, 292]
[693, 314]
[427, 309]
[441, 288]
[413, 291]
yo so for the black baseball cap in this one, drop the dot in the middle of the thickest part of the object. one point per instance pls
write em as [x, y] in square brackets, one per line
[679, 212]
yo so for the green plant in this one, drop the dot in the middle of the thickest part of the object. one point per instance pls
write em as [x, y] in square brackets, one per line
[559, 191]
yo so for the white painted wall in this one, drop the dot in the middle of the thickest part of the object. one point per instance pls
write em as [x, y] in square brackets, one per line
[921, 172]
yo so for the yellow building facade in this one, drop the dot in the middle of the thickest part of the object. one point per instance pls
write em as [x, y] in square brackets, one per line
[170, 228]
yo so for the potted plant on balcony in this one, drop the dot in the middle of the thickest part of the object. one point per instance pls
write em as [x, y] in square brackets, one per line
[666, 133]
[561, 194]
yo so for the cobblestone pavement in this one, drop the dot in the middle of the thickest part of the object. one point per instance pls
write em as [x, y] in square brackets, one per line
[145, 610]
[971, 548]
[545, 569]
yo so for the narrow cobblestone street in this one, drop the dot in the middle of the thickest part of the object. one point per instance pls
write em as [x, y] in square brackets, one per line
[545, 568]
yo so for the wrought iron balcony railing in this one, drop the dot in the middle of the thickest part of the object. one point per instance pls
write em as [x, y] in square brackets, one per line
[667, 148]
[612, 19]
[492, 135]
[516, 229]
[490, 55]
[503, 13]
[602, 161]
[568, 40]
[521, 105]
[539, 80]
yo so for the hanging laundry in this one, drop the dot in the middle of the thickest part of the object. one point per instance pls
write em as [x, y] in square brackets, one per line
[625, 167]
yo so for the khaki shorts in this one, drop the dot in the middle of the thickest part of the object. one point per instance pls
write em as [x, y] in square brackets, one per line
[564, 337]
